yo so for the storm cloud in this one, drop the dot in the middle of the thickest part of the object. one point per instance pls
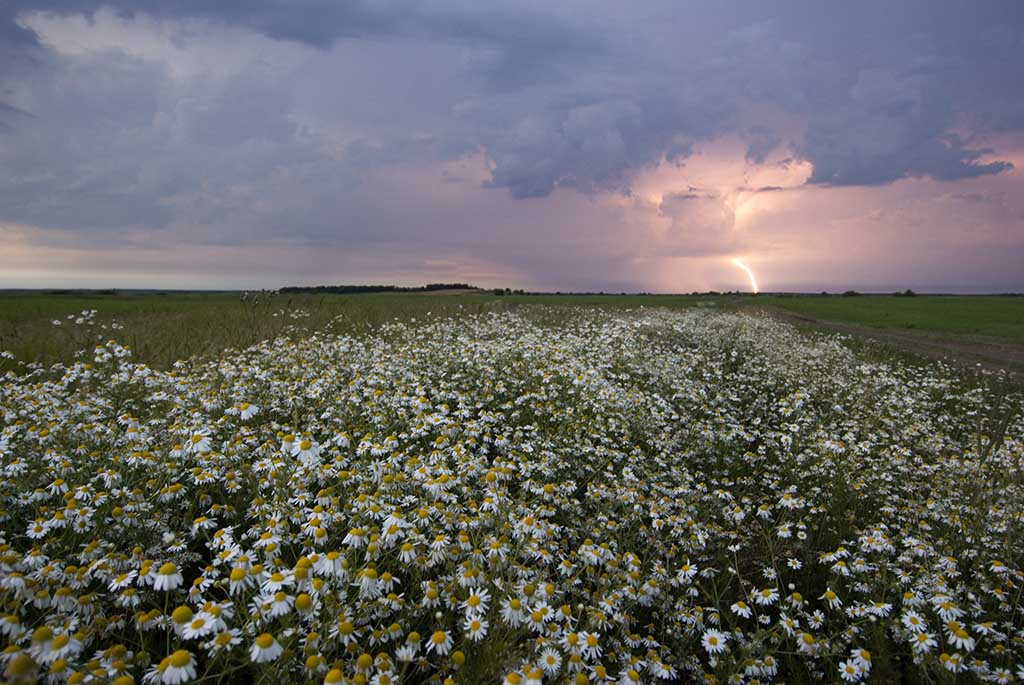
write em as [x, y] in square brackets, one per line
[406, 127]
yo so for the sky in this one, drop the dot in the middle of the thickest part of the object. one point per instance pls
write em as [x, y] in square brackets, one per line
[616, 146]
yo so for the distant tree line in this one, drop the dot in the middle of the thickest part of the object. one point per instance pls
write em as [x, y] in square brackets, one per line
[351, 289]
[853, 293]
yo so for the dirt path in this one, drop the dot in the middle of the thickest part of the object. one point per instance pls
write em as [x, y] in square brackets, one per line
[992, 356]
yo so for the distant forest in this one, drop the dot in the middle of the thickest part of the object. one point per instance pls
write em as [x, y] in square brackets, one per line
[348, 289]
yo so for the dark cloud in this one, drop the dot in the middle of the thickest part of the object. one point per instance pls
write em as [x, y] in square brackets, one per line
[323, 22]
[312, 119]
[567, 99]
[895, 124]
[9, 116]
[760, 142]
[588, 144]
[18, 57]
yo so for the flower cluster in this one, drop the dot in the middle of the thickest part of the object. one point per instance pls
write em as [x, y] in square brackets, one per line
[540, 495]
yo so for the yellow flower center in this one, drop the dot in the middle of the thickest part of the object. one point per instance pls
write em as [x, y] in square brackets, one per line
[20, 665]
[181, 615]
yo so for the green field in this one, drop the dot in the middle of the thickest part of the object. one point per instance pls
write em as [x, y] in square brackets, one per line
[993, 317]
[987, 317]
[162, 328]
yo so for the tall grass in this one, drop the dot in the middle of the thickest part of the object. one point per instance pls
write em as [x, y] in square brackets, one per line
[162, 329]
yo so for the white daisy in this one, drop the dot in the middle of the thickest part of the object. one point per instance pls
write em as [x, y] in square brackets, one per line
[265, 648]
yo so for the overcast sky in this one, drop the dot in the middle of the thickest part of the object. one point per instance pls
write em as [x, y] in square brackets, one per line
[545, 145]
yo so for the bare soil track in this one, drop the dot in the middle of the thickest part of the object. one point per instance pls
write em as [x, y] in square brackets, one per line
[964, 352]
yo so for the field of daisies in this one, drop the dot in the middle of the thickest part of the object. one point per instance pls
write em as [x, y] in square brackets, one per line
[516, 497]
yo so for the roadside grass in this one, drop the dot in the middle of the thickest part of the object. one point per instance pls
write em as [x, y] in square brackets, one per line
[981, 317]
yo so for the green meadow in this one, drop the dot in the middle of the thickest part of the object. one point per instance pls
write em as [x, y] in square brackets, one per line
[164, 327]
[986, 316]
[161, 328]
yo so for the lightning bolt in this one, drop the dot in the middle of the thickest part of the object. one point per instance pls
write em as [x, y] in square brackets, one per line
[750, 274]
